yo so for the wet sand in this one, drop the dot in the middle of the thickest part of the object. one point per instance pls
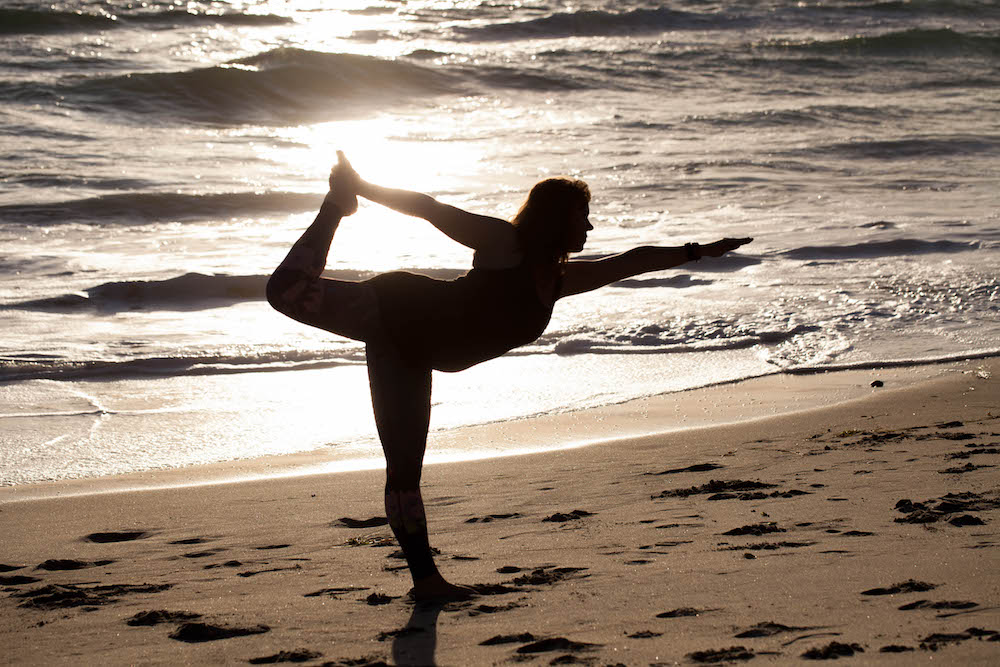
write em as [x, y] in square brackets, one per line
[864, 529]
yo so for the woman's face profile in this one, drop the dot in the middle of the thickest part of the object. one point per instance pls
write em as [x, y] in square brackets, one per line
[578, 226]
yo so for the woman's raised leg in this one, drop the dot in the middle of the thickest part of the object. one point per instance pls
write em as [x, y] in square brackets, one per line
[296, 289]
[401, 397]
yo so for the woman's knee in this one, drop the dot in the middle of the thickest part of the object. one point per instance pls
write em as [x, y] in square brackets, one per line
[278, 286]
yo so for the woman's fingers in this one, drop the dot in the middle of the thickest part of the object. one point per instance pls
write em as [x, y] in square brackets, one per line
[723, 246]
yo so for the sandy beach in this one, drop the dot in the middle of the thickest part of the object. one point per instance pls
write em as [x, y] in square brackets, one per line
[863, 529]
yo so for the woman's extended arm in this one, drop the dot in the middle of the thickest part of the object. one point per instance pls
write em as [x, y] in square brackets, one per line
[584, 275]
[479, 232]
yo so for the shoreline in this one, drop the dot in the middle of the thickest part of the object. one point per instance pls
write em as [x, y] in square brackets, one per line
[719, 404]
[865, 528]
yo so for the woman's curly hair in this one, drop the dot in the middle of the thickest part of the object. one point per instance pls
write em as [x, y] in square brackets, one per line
[542, 222]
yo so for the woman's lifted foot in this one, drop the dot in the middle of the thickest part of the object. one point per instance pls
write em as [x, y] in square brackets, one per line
[435, 589]
[344, 186]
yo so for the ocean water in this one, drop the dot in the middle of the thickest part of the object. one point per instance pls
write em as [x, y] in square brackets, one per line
[157, 160]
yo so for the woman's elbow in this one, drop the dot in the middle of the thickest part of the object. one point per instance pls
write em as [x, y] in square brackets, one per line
[276, 289]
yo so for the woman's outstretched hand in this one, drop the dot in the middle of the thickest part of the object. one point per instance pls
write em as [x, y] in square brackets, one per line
[344, 185]
[721, 247]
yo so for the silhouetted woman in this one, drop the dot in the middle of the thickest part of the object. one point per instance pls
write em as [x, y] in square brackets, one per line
[413, 324]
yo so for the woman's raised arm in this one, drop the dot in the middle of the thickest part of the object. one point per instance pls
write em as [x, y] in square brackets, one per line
[583, 275]
[482, 233]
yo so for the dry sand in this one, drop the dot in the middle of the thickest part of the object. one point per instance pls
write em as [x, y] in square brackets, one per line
[864, 530]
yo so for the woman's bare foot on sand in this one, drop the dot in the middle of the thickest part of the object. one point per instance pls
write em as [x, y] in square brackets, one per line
[435, 589]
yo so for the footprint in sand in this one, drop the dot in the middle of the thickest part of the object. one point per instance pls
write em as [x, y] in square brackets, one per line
[18, 580]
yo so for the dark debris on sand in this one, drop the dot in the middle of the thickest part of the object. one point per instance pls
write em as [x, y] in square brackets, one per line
[376, 599]
[402, 632]
[644, 634]
[715, 486]
[62, 564]
[298, 655]
[767, 629]
[348, 522]
[560, 517]
[698, 467]
[908, 586]
[493, 589]
[556, 644]
[756, 529]
[549, 575]
[731, 654]
[158, 616]
[895, 648]
[767, 546]
[196, 632]
[833, 651]
[508, 639]
[493, 517]
[481, 609]
[119, 536]
[681, 612]
[935, 641]
[335, 592]
[944, 604]
[960, 470]
[370, 661]
[946, 508]
[61, 596]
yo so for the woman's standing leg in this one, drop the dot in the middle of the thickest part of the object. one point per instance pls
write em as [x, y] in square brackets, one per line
[401, 397]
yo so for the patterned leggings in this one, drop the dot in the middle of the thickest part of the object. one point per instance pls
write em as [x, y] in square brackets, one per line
[401, 391]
